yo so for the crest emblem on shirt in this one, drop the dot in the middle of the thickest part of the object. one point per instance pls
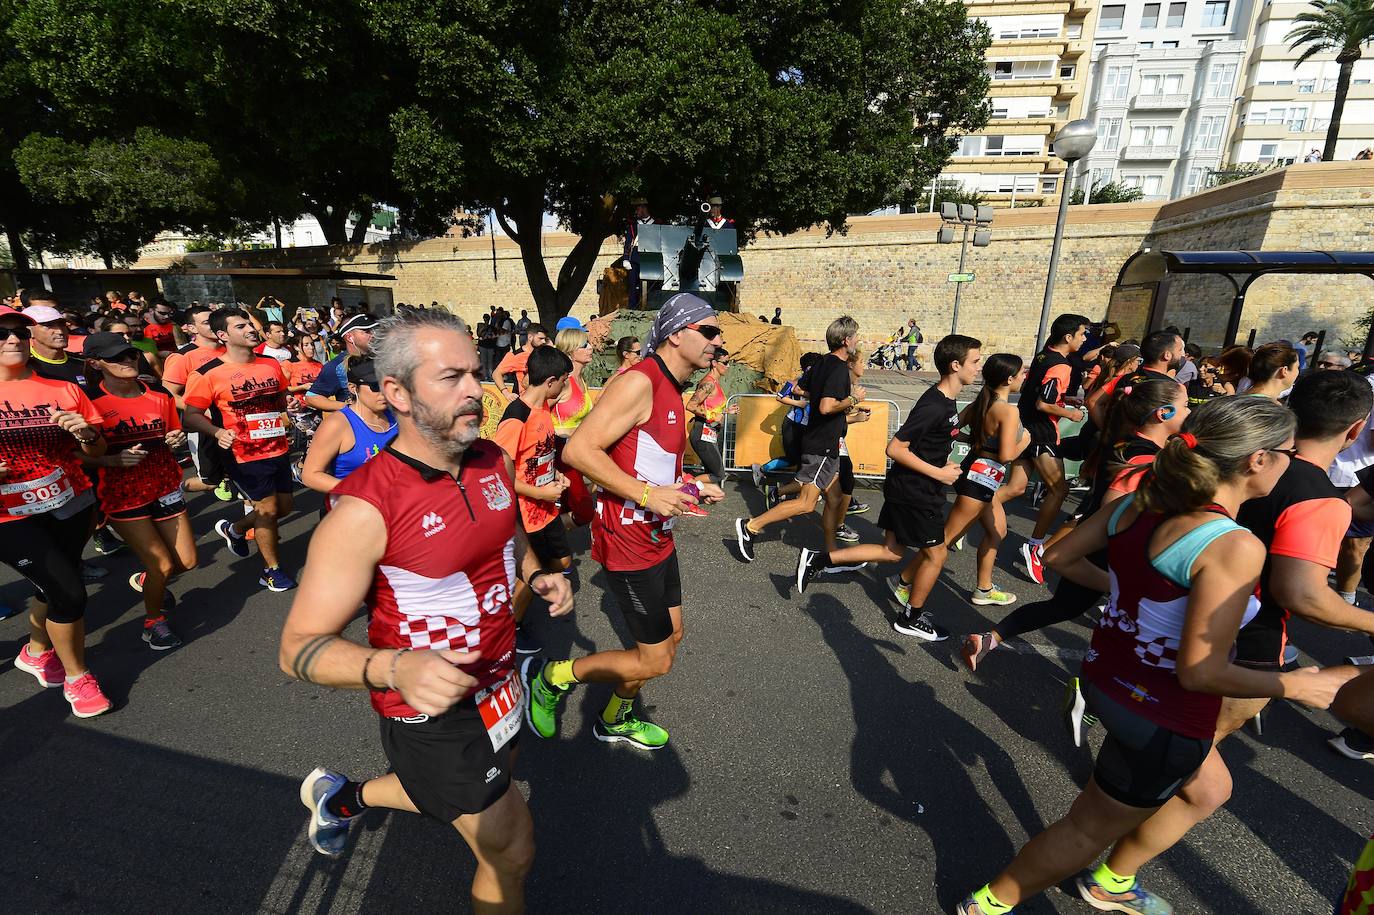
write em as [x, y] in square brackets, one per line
[495, 492]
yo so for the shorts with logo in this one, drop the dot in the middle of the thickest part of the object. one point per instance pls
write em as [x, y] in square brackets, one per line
[1141, 764]
[260, 479]
[550, 543]
[645, 597]
[981, 479]
[913, 526]
[169, 506]
[818, 470]
[446, 763]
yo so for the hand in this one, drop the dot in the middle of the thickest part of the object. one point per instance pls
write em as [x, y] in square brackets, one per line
[1078, 416]
[859, 393]
[667, 501]
[175, 439]
[130, 457]
[710, 492]
[733, 409]
[557, 590]
[74, 423]
[225, 438]
[949, 473]
[1317, 686]
[861, 416]
[431, 682]
[552, 492]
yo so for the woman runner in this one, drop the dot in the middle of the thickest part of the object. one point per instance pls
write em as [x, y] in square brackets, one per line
[708, 409]
[140, 480]
[46, 503]
[350, 437]
[1183, 577]
[572, 407]
[628, 352]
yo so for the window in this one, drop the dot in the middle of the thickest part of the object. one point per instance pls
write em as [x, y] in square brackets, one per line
[1148, 135]
[1068, 71]
[1161, 84]
[1214, 13]
[1307, 86]
[1149, 18]
[1132, 180]
[970, 146]
[1073, 30]
[1117, 83]
[1101, 176]
[1297, 119]
[1154, 184]
[1049, 185]
[1176, 11]
[1207, 137]
[1196, 176]
[1220, 79]
[1267, 153]
[1112, 18]
[1001, 70]
[1168, 44]
[1109, 133]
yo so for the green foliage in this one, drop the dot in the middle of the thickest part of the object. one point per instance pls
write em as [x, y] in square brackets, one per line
[950, 191]
[1238, 171]
[1342, 27]
[1107, 192]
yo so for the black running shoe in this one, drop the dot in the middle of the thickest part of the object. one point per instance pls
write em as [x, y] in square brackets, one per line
[920, 625]
[106, 542]
[525, 643]
[744, 541]
[1353, 743]
[806, 568]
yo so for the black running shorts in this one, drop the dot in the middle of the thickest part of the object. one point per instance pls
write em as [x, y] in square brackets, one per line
[550, 543]
[645, 596]
[163, 509]
[917, 528]
[260, 479]
[1035, 449]
[446, 763]
[1141, 764]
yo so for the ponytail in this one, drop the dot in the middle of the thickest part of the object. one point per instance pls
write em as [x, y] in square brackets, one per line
[1131, 405]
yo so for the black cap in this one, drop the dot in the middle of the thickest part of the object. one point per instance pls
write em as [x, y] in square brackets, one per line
[106, 345]
[362, 371]
[357, 322]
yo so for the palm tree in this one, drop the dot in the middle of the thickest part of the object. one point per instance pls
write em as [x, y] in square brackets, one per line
[1342, 26]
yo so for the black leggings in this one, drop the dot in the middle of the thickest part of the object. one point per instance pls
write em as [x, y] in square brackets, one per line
[791, 442]
[1069, 600]
[709, 452]
[846, 475]
[47, 551]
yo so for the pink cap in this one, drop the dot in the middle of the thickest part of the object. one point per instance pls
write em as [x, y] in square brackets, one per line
[6, 311]
[43, 314]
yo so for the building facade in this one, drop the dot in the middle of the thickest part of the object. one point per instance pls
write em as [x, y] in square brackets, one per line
[1285, 107]
[1037, 62]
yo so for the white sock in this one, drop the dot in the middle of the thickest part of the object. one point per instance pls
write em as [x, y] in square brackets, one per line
[1347, 596]
[72, 678]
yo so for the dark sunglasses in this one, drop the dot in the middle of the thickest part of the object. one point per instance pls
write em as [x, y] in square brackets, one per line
[1291, 452]
[374, 385]
[709, 331]
[18, 333]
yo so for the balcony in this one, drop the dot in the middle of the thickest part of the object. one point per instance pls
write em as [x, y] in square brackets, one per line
[1150, 153]
[1160, 102]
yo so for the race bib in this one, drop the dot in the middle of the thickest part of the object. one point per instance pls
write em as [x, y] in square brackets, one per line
[986, 472]
[500, 708]
[709, 434]
[172, 498]
[264, 425]
[844, 448]
[545, 473]
[34, 497]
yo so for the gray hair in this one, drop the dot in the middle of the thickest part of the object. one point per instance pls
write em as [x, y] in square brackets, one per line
[840, 330]
[393, 341]
[1333, 356]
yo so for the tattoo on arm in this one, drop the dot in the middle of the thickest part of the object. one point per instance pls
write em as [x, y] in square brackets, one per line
[304, 664]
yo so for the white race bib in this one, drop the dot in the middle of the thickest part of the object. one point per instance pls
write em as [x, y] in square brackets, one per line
[34, 497]
[264, 425]
[545, 473]
[709, 434]
[844, 448]
[987, 472]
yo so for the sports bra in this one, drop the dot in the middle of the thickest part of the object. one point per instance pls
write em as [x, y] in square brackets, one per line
[569, 413]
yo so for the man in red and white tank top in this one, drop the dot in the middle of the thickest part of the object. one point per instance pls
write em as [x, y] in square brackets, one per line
[427, 534]
[631, 444]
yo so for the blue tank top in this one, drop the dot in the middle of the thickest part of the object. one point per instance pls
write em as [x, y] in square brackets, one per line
[366, 444]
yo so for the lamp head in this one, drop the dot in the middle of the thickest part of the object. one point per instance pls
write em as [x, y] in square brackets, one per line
[1075, 140]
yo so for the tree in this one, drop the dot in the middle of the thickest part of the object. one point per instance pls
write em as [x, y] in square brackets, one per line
[1342, 27]
[1107, 192]
[798, 113]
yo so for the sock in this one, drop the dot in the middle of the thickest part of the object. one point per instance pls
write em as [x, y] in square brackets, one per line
[150, 621]
[990, 903]
[1036, 541]
[822, 560]
[987, 590]
[348, 802]
[1111, 881]
[559, 674]
[617, 709]
[1347, 596]
[72, 678]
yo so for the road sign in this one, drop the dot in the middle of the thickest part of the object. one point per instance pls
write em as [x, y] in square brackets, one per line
[961, 278]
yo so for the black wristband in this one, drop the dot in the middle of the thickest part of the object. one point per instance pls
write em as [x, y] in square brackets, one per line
[535, 574]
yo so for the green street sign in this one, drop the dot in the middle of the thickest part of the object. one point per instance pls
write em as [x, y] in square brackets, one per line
[961, 277]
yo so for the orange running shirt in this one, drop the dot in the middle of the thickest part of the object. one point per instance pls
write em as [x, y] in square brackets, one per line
[251, 396]
[301, 372]
[527, 437]
[516, 364]
[178, 366]
[44, 472]
[143, 420]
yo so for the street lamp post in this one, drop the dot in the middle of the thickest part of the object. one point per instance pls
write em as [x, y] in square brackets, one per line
[976, 220]
[1074, 141]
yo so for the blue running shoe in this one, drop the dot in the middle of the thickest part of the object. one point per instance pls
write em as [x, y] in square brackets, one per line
[328, 833]
[276, 580]
[1135, 901]
[238, 544]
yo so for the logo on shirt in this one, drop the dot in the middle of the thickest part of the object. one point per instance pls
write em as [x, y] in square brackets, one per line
[432, 523]
[672, 417]
[495, 492]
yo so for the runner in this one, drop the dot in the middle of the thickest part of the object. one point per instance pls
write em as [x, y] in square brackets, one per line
[843, 493]
[793, 395]
[914, 492]
[331, 385]
[628, 352]
[1141, 419]
[632, 446]
[708, 407]
[48, 355]
[352, 436]
[161, 329]
[46, 505]
[526, 434]
[1041, 407]
[205, 454]
[514, 363]
[250, 392]
[1182, 580]
[426, 533]
[568, 412]
[1273, 368]
[140, 481]
[301, 371]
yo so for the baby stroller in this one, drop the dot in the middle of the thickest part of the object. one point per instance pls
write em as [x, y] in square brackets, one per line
[885, 356]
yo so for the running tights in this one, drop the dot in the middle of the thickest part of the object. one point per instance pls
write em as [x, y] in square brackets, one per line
[709, 452]
[1069, 600]
[846, 475]
[47, 551]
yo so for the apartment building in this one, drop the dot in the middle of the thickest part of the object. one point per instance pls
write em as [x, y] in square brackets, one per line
[1037, 63]
[1285, 107]
[1164, 76]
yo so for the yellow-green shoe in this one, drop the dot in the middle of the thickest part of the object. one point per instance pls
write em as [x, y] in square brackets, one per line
[643, 734]
[541, 704]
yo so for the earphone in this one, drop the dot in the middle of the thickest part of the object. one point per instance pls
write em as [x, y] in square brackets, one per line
[1167, 412]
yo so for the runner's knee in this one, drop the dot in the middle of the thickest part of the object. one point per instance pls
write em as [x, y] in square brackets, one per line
[66, 600]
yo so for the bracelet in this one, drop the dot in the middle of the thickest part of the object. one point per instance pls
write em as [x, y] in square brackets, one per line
[367, 663]
[535, 574]
[644, 496]
[391, 677]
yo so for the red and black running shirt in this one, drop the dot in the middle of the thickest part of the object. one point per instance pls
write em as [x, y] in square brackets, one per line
[43, 472]
[143, 420]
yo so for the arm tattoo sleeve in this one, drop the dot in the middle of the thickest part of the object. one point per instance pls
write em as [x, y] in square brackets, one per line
[304, 665]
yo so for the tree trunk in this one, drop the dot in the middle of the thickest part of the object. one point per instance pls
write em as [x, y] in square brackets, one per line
[523, 221]
[361, 226]
[1333, 131]
[332, 224]
[276, 225]
[18, 253]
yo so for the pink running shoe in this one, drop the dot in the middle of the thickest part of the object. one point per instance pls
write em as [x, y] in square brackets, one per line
[45, 667]
[1032, 553]
[692, 510]
[85, 696]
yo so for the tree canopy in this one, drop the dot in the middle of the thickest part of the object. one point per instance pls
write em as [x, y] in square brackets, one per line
[1342, 27]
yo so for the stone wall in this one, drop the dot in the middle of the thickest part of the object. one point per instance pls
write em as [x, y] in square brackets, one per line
[888, 268]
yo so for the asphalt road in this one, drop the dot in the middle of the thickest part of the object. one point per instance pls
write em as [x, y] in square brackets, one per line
[819, 763]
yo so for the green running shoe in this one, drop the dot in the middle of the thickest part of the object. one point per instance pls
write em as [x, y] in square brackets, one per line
[1135, 901]
[223, 492]
[541, 711]
[901, 591]
[643, 734]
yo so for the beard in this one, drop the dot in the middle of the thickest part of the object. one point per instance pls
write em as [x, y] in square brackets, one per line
[437, 426]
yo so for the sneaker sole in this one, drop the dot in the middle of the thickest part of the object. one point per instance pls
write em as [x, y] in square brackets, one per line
[274, 588]
[739, 541]
[150, 644]
[616, 738]
[1101, 904]
[37, 675]
[1340, 746]
[986, 602]
[107, 709]
[1074, 713]
[918, 634]
[309, 801]
[803, 558]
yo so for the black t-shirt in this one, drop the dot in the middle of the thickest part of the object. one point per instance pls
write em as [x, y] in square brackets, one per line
[929, 430]
[73, 370]
[1047, 381]
[1142, 375]
[828, 378]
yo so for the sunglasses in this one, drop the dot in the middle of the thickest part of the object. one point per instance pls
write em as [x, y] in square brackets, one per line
[1329, 365]
[1291, 452]
[18, 333]
[709, 331]
[373, 386]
